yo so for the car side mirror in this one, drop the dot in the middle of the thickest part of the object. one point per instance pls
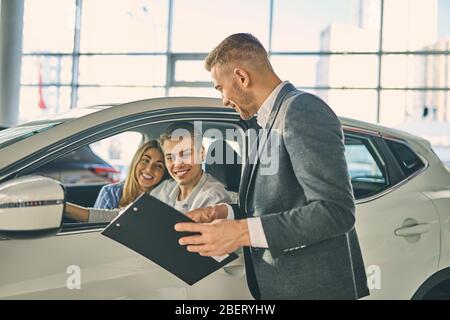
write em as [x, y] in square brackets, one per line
[31, 207]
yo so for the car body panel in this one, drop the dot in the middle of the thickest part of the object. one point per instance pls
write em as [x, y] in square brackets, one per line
[42, 268]
[402, 265]
[434, 184]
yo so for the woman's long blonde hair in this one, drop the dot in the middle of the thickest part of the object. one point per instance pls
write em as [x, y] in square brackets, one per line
[131, 189]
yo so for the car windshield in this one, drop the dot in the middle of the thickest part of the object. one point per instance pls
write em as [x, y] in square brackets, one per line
[15, 134]
[26, 130]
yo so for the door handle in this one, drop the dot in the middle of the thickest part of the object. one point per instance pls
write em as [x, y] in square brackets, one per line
[411, 231]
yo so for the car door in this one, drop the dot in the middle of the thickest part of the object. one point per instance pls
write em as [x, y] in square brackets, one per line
[80, 263]
[397, 225]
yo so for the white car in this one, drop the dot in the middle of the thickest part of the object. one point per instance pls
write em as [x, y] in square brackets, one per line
[402, 219]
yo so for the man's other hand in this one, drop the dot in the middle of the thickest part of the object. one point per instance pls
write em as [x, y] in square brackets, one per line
[215, 239]
[209, 214]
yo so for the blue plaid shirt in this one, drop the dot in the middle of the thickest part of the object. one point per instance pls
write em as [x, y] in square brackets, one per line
[109, 196]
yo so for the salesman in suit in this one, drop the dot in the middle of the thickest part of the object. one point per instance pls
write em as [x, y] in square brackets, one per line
[296, 226]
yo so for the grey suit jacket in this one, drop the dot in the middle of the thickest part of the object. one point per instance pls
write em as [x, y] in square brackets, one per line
[306, 207]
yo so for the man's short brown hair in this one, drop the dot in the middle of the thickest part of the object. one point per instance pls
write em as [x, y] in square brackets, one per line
[177, 130]
[237, 47]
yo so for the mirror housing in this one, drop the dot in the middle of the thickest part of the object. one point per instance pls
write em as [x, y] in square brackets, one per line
[31, 207]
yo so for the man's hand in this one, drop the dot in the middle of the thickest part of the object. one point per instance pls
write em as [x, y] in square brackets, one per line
[209, 214]
[217, 238]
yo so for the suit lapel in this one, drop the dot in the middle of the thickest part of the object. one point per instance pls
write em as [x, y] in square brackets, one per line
[249, 170]
[247, 167]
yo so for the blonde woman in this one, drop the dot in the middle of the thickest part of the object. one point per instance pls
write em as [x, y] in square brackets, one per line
[146, 171]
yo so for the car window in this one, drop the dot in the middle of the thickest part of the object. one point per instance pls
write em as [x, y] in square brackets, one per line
[408, 160]
[101, 162]
[366, 169]
[118, 151]
[223, 148]
[84, 171]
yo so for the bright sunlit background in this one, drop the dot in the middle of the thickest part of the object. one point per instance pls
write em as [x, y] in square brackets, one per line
[376, 61]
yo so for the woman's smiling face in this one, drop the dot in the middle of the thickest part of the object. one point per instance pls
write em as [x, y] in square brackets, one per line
[150, 169]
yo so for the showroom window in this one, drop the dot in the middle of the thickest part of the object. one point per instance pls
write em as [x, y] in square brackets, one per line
[123, 26]
[223, 17]
[326, 25]
[384, 61]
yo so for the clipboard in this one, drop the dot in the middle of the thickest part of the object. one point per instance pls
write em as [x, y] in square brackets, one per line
[146, 226]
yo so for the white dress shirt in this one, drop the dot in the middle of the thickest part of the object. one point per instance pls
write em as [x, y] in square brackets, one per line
[255, 228]
[207, 192]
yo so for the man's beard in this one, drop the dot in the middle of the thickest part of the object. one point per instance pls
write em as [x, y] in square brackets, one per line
[246, 100]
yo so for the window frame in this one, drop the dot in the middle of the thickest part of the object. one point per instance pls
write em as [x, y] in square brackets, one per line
[367, 141]
[230, 118]
[395, 174]
[380, 53]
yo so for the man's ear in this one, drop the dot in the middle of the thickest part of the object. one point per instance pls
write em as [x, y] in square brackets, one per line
[242, 76]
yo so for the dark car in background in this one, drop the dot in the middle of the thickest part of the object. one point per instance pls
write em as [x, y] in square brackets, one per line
[81, 166]
[83, 171]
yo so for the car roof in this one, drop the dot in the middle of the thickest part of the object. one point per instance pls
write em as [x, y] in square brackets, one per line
[384, 131]
[116, 110]
[80, 119]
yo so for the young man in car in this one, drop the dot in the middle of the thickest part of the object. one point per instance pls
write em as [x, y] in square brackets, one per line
[191, 187]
